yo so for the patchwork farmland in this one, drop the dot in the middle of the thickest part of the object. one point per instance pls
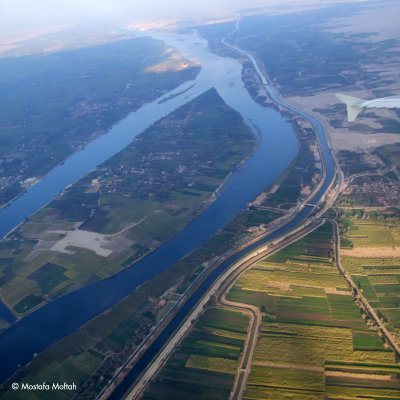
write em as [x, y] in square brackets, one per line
[204, 365]
[371, 254]
[314, 342]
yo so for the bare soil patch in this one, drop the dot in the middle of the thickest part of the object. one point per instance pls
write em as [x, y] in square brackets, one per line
[330, 290]
[372, 252]
[375, 377]
[287, 366]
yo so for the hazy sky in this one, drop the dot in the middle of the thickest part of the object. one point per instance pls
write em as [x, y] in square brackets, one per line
[20, 15]
[24, 15]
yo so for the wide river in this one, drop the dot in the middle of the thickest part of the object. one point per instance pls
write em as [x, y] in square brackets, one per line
[278, 147]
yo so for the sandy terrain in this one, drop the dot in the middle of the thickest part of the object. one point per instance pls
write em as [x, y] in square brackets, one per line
[345, 138]
[360, 142]
[102, 245]
[13, 41]
[260, 199]
[58, 239]
[382, 24]
[280, 285]
[372, 252]
[84, 239]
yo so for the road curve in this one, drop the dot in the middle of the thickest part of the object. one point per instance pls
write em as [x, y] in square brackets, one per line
[243, 371]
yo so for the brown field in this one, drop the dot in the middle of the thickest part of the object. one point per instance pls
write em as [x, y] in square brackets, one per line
[362, 252]
[378, 377]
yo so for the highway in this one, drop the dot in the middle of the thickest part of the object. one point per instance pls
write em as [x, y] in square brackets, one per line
[163, 323]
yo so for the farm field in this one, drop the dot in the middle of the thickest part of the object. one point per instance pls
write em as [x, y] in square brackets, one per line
[372, 232]
[204, 365]
[314, 342]
[371, 255]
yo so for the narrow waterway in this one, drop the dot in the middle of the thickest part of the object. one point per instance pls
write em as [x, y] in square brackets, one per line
[278, 147]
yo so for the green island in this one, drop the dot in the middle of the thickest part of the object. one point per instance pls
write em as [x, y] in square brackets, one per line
[126, 207]
[90, 355]
[52, 104]
[317, 340]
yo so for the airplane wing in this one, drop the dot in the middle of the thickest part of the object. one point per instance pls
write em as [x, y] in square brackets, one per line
[355, 105]
[384, 102]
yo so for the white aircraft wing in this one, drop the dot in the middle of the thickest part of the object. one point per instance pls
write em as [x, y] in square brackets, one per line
[355, 104]
[384, 102]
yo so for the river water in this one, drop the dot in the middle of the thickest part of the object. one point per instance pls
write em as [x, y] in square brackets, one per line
[278, 147]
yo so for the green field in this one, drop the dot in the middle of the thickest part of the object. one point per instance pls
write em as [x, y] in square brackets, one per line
[373, 232]
[153, 188]
[203, 366]
[377, 277]
[314, 343]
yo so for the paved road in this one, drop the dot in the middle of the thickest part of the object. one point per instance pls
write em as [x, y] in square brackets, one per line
[255, 322]
[256, 316]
